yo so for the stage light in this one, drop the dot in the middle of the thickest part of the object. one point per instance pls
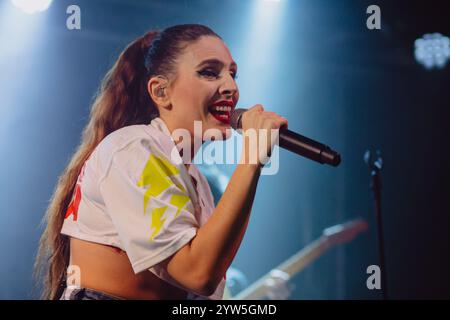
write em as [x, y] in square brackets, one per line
[432, 50]
[32, 6]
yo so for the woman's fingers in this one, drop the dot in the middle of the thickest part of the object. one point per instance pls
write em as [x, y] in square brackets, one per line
[263, 122]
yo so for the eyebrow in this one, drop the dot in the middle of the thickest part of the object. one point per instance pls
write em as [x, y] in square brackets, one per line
[216, 62]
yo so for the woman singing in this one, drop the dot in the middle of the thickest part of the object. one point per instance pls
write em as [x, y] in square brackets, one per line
[130, 218]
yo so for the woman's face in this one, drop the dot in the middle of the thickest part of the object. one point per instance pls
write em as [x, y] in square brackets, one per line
[204, 88]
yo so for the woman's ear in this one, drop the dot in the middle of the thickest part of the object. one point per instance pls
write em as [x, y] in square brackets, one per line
[158, 89]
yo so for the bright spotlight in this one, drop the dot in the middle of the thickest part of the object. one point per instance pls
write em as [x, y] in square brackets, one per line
[432, 50]
[32, 6]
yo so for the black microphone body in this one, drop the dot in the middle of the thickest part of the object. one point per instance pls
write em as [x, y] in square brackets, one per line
[296, 143]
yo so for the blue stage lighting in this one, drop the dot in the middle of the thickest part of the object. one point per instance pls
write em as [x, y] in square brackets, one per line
[432, 50]
[32, 6]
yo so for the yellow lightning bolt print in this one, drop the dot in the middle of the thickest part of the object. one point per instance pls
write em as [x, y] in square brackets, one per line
[179, 200]
[157, 220]
[156, 175]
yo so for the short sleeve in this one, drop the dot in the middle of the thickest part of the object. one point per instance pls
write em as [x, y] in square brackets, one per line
[148, 203]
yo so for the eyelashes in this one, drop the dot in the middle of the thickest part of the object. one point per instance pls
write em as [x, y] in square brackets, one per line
[212, 74]
[208, 73]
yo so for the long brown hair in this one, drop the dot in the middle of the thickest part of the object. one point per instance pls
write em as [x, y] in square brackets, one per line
[122, 100]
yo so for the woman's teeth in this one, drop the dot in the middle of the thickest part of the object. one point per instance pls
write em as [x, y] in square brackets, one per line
[221, 113]
[221, 108]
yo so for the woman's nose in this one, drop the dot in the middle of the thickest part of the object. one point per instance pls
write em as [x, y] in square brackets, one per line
[229, 87]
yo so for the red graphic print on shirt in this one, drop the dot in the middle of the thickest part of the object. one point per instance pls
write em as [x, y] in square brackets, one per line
[75, 202]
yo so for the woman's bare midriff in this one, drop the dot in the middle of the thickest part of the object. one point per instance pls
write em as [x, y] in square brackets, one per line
[108, 269]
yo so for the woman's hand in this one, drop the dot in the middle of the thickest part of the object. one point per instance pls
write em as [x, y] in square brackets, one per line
[260, 131]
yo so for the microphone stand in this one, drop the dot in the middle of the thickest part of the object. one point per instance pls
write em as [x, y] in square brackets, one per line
[375, 165]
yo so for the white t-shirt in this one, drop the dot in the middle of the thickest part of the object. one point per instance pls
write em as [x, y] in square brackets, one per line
[134, 193]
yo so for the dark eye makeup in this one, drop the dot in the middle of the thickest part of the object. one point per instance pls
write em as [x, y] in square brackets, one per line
[210, 73]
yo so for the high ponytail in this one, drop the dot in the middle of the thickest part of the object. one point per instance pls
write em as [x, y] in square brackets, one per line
[122, 100]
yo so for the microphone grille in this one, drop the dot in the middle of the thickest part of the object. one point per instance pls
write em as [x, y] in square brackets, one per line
[235, 118]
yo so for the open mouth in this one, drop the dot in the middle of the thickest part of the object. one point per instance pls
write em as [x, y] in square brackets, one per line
[221, 113]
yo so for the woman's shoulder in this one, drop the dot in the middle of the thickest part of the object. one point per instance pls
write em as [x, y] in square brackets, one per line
[127, 144]
[125, 137]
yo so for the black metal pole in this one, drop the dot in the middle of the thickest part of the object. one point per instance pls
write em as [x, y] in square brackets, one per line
[375, 165]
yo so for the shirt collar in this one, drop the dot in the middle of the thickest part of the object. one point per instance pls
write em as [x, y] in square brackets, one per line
[160, 125]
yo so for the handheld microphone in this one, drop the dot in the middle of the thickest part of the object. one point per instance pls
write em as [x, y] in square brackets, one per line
[296, 143]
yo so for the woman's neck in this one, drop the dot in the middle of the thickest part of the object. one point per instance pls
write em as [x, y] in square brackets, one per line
[191, 145]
